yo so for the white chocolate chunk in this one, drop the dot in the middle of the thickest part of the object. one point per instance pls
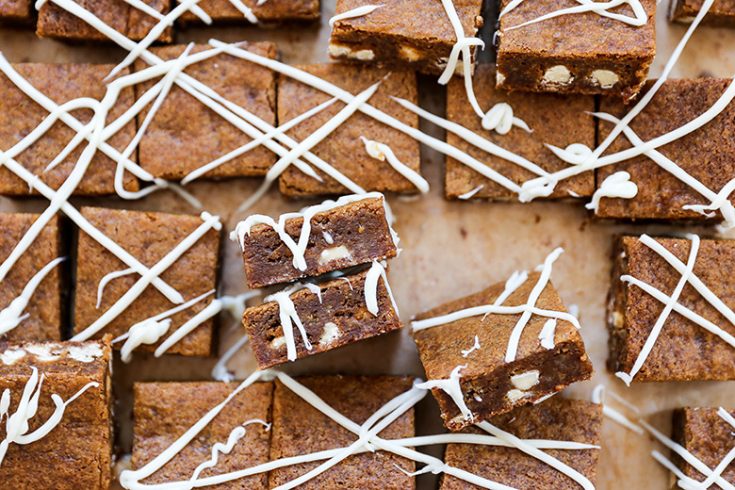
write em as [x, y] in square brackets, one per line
[341, 51]
[43, 353]
[85, 353]
[525, 381]
[558, 74]
[499, 79]
[11, 356]
[604, 78]
[515, 395]
[334, 253]
[330, 333]
[409, 53]
[278, 342]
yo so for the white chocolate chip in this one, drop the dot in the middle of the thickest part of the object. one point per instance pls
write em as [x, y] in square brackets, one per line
[499, 78]
[85, 353]
[617, 319]
[525, 381]
[11, 356]
[604, 78]
[409, 53]
[330, 333]
[334, 253]
[558, 74]
[341, 51]
[44, 353]
[278, 342]
[515, 395]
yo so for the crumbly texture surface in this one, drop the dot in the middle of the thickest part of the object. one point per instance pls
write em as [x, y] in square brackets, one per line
[44, 308]
[55, 22]
[16, 11]
[299, 428]
[270, 12]
[486, 383]
[399, 34]
[721, 13]
[557, 419]
[185, 134]
[684, 351]
[707, 154]
[77, 453]
[339, 318]
[581, 42]
[343, 148]
[21, 114]
[148, 237]
[165, 411]
[558, 120]
[359, 233]
[707, 437]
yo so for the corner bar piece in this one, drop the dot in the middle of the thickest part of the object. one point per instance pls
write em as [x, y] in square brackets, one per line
[401, 33]
[351, 231]
[584, 53]
[547, 360]
[336, 316]
[298, 428]
[558, 419]
[345, 148]
[708, 437]
[149, 237]
[185, 135]
[44, 303]
[56, 22]
[77, 452]
[707, 154]
[161, 418]
[722, 12]
[555, 119]
[683, 350]
[22, 114]
[267, 13]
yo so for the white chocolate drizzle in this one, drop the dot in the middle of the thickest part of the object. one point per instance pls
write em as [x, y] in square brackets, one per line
[374, 274]
[500, 119]
[546, 336]
[475, 346]
[614, 185]
[470, 194]
[671, 303]
[599, 394]
[367, 440]
[17, 423]
[526, 310]
[638, 19]
[353, 13]
[12, 315]
[452, 387]
[383, 152]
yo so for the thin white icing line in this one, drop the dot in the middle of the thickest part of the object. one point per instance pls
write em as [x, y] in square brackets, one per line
[106, 280]
[639, 18]
[418, 325]
[353, 14]
[470, 194]
[282, 128]
[546, 336]
[220, 371]
[543, 280]
[17, 424]
[536, 453]
[12, 315]
[615, 185]
[376, 272]
[475, 346]
[383, 152]
[208, 222]
[683, 454]
[485, 440]
[289, 316]
[598, 396]
[452, 387]
[668, 308]
[208, 312]
[145, 8]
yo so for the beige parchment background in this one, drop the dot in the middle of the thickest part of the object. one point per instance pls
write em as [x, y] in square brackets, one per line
[450, 249]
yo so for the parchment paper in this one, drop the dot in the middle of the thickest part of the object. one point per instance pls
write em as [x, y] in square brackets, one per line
[450, 249]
